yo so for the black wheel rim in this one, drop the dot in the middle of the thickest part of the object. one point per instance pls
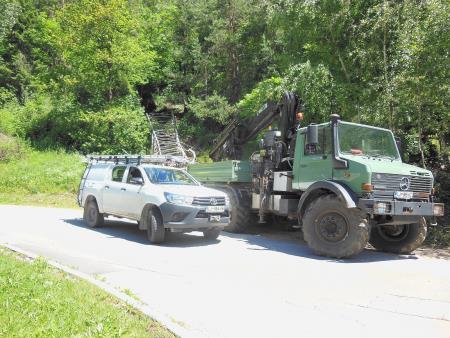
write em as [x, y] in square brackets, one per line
[393, 233]
[332, 227]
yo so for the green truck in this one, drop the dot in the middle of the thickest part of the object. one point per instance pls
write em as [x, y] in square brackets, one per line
[343, 183]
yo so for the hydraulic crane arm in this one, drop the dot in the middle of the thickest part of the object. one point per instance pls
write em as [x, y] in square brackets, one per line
[230, 141]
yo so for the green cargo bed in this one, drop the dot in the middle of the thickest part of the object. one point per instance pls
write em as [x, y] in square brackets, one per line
[223, 172]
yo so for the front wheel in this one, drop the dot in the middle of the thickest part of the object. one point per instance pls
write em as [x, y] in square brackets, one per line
[399, 239]
[155, 227]
[331, 229]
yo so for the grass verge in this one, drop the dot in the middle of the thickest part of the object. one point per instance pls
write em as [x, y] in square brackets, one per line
[48, 178]
[61, 200]
[37, 300]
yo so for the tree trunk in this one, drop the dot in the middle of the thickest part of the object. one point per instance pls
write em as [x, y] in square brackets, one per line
[387, 96]
[233, 55]
[422, 155]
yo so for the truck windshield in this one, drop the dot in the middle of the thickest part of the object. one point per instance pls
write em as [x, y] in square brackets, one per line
[362, 140]
[169, 176]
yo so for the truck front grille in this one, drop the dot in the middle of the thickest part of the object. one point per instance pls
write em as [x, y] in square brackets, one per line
[209, 201]
[384, 185]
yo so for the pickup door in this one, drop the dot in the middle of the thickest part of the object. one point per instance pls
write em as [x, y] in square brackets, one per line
[132, 202]
[113, 190]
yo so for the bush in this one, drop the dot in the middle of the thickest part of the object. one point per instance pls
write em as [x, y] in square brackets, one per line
[267, 90]
[10, 148]
[18, 119]
[119, 128]
[205, 119]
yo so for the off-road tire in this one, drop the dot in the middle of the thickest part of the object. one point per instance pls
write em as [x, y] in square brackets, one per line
[212, 233]
[241, 217]
[92, 216]
[330, 212]
[407, 239]
[155, 226]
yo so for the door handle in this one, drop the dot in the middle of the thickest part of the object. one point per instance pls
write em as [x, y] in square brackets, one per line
[123, 189]
[106, 186]
[303, 165]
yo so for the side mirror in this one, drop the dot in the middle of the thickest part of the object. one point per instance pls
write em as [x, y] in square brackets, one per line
[312, 134]
[137, 180]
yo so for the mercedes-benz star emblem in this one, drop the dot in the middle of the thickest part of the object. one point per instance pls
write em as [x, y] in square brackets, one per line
[405, 182]
[213, 201]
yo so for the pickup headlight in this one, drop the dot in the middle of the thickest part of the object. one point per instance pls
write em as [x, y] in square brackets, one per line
[227, 200]
[178, 199]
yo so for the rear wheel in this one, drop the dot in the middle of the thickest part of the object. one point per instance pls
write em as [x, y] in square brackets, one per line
[331, 229]
[92, 216]
[240, 216]
[400, 239]
[212, 233]
[155, 227]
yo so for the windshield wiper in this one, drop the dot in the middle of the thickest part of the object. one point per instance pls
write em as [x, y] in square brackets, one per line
[382, 156]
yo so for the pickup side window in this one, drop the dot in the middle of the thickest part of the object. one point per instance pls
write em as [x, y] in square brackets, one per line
[117, 173]
[134, 173]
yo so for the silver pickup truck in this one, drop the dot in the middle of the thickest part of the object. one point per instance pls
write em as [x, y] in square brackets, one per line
[159, 198]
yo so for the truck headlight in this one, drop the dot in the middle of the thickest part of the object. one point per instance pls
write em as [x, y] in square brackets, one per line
[227, 200]
[178, 199]
[438, 209]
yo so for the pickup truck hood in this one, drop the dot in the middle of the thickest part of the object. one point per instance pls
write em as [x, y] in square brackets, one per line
[191, 190]
[383, 165]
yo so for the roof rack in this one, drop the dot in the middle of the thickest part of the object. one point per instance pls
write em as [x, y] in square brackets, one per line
[165, 160]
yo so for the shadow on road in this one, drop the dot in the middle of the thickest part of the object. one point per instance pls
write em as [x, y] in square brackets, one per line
[263, 238]
[129, 231]
[292, 244]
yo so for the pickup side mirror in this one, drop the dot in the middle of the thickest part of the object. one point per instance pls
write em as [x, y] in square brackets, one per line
[137, 180]
[312, 134]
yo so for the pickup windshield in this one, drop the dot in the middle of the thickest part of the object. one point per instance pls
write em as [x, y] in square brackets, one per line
[169, 176]
[362, 140]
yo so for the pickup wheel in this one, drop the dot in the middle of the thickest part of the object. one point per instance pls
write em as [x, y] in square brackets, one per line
[331, 229]
[399, 239]
[92, 216]
[212, 233]
[155, 227]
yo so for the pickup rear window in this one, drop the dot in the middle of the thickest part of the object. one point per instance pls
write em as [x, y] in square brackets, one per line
[117, 173]
[169, 176]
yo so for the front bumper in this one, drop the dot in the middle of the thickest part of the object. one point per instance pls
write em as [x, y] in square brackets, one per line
[186, 217]
[400, 208]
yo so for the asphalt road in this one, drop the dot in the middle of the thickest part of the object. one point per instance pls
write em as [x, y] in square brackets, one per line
[246, 285]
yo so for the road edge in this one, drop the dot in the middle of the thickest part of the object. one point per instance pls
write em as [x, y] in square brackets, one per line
[144, 308]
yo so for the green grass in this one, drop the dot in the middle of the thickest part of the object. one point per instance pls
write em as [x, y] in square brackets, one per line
[37, 300]
[47, 178]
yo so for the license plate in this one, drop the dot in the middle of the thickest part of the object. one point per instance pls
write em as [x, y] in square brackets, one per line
[215, 208]
[214, 218]
[403, 195]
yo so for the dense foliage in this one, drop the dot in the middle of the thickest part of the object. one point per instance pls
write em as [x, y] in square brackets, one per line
[73, 73]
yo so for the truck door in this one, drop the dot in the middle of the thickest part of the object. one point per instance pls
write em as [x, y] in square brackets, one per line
[112, 193]
[314, 162]
[132, 202]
